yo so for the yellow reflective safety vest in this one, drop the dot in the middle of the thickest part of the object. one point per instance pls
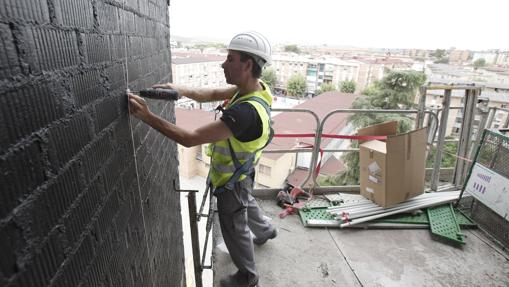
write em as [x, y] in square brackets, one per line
[225, 166]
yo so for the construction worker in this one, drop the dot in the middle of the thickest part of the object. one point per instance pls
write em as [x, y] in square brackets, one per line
[237, 140]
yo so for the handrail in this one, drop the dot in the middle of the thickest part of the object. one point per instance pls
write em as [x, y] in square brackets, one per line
[376, 111]
[313, 155]
[319, 133]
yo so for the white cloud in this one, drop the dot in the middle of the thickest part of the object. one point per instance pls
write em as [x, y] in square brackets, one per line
[431, 24]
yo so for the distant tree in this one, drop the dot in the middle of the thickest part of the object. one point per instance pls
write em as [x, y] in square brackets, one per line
[448, 158]
[292, 48]
[479, 63]
[441, 61]
[327, 87]
[440, 56]
[269, 77]
[297, 86]
[396, 90]
[203, 46]
[438, 53]
[347, 87]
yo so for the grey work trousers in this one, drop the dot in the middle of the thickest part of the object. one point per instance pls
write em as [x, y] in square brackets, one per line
[238, 213]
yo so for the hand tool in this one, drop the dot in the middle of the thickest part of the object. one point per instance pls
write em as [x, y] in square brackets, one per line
[160, 94]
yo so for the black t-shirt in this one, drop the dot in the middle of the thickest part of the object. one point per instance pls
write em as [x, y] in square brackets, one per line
[243, 121]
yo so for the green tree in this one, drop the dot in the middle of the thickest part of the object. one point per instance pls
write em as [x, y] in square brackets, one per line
[292, 48]
[442, 61]
[438, 53]
[347, 87]
[448, 158]
[297, 86]
[479, 63]
[269, 77]
[397, 90]
[327, 87]
[440, 56]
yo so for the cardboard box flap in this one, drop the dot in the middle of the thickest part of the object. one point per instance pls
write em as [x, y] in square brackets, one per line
[375, 145]
[403, 143]
[383, 129]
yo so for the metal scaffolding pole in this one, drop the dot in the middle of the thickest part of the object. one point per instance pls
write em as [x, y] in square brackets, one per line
[466, 138]
[446, 103]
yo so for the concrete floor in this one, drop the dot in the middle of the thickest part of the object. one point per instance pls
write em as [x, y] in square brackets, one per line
[302, 256]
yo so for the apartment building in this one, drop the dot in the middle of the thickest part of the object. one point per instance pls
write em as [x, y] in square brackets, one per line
[197, 70]
[459, 56]
[316, 70]
[490, 95]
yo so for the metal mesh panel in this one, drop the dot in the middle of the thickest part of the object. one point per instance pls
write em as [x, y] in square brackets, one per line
[493, 154]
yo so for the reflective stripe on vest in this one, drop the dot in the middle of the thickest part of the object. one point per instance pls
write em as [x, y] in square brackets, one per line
[222, 167]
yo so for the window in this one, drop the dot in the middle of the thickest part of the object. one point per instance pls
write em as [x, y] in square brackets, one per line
[199, 153]
[263, 169]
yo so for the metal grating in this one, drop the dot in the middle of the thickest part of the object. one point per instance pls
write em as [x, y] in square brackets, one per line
[315, 213]
[422, 218]
[317, 202]
[443, 223]
[493, 153]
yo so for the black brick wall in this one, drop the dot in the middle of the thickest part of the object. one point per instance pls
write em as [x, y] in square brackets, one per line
[73, 211]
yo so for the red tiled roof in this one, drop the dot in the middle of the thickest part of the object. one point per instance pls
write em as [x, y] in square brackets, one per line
[294, 122]
[332, 166]
[297, 176]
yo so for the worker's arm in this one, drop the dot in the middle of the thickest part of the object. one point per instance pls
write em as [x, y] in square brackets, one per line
[201, 94]
[209, 133]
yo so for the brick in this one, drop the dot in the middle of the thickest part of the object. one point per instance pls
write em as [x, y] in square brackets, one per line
[127, 22]
[135, 46]
[9, 63]
[134, 70]
[22, 171]
[140, 25]
[25, 10]
[45, 262]
[86, 87]
[75, 13]
[116, 77]
[26, 110]
[132, 3]
[107, 214]
[106, 112]
[42, 213]
[81, 212]
[114, 168]
[97, 47]
[75, 266]
[51, 49]
[96, 155]
[68, 138]
[118, 47]
[12, 246]
[107, 17]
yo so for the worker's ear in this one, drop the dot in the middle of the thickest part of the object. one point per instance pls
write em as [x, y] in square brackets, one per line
[249, 65]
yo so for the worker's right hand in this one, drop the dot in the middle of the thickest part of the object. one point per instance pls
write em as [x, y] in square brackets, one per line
[138, 107]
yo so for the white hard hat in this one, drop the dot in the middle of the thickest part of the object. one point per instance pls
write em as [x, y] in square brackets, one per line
[254, 44]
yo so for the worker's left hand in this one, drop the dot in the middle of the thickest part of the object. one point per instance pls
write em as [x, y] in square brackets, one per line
[138, 107]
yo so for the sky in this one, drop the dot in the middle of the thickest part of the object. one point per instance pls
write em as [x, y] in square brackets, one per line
[430, 24]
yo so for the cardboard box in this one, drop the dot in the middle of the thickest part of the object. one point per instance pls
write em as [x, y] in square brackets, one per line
[393, 171]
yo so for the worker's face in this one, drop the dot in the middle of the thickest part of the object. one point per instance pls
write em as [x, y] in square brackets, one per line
[235, 71]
